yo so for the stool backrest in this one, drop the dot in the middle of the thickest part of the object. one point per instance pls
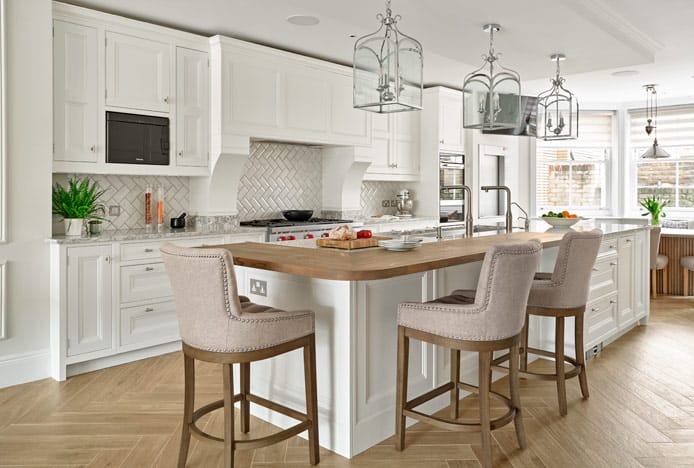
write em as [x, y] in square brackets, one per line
[503, 286]
[205, 292]
[570, 281]
[655, 244]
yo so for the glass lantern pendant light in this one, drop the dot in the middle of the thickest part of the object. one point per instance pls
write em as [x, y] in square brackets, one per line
[654, 151]
[491, 94]
[558, 109]
[388, 69]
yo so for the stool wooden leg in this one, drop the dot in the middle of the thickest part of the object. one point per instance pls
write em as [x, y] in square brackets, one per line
[401, 389]
[581, 355]
[514, 384]
[524, 345]
[311, 399]
[685, 281]
[228, 382]
[245, 376]
[665, 273]
[188, 408]
[559, 364]
[654, 284]
[485, 359]
[455, 378]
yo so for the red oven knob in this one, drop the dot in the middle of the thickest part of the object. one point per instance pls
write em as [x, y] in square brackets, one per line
[283, 238]
[325, 234]
[309, 236]
[292, 237]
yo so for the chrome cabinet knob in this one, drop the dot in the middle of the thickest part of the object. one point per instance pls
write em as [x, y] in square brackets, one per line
[92, 148]
[149, 268]
[166, 99]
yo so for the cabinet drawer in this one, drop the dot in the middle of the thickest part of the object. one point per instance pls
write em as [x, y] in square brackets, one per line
[144, 282]
[604, 278]
[151, 324]
[608, 247]
[150, 249]
[600, 319]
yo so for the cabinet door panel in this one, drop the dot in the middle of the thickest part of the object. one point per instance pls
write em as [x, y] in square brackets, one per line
[251, 90]
[137, 73]
[89, 285]
[149, 324]
[75, 97]
[407, 142]
[345, 119]
[192, 107]
[306, 102]
[450, 123]
[144, 282]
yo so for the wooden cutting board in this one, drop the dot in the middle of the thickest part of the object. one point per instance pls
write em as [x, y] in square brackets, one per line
[350, 244]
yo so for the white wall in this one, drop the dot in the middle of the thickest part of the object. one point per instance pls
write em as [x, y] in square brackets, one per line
[24, 354]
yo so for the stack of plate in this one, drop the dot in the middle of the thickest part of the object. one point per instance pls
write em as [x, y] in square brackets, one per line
[400, 245]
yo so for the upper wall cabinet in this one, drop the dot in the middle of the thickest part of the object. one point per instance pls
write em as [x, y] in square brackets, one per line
[137, 73]
[396, 146]
[192, 107]
[75, 98]
[451, 121]
[266, 93]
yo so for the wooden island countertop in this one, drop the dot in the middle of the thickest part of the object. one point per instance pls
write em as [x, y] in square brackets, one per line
[373, 263]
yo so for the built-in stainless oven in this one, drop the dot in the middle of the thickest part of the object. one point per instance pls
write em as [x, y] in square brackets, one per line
[451, 181]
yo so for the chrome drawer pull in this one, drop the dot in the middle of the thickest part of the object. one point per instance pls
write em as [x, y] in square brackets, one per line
[149, 250]
[596, 269]
[595, 309]
[613, 301]
[611, 246]
[149, 268]
[149, 309]
[613, 263]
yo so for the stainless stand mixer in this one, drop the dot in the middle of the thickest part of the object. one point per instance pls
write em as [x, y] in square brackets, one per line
[404, 204]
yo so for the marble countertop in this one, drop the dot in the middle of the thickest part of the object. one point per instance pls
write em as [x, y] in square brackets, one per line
[121, 235]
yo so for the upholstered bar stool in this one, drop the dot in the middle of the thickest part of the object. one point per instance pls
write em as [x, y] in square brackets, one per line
[562, 294]
[687, 264]
[217, 325]
[658, 262]
[493, 322]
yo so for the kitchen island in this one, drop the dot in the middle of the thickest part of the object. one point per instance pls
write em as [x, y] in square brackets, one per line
[355, 296]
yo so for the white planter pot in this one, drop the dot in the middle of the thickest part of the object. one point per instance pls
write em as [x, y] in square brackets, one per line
[73, 226]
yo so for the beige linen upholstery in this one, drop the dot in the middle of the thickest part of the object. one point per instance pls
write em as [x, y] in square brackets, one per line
[687, 262]
[570, 280]
[655, 243]
[661, 261]
[498, 311]
[211, 314]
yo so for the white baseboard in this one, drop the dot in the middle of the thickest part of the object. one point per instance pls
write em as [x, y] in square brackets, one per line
[17, 369]
[121, 358]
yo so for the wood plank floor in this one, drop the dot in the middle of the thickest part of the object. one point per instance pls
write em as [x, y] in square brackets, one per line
[640, 414]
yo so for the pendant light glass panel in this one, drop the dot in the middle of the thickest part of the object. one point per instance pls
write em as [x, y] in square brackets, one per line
[491, 94]
[557, 110]
[388, 69]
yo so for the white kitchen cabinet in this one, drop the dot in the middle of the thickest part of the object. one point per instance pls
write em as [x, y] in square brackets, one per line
[395, 147]
[626, 280]
[144, 282]
[307, 101]
[451, 121]
[138, 73]
[153, 324]
[75, 98]
[345, 120]
[89, 283]
[192, 107]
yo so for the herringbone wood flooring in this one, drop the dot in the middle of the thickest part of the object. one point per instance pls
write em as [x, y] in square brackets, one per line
[640, 413]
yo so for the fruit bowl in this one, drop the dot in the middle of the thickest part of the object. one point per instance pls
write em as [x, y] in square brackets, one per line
[560, 222]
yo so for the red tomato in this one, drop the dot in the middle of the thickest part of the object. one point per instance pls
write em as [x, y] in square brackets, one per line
[364, 234]
[360, 234]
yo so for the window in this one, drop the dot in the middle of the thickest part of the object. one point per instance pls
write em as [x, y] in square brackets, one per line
[574, 174]
[670, 178]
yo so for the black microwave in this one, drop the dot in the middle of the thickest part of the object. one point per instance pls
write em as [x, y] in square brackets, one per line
[137, 139]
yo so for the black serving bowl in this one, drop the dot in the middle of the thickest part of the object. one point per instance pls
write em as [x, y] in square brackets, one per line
[297, 215]
[178, 223]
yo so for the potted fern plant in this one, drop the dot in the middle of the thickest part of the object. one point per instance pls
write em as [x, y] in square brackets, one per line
[654, 207]
[77, 203]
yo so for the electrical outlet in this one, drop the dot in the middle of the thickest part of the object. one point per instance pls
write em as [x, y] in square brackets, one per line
[594, 351]
[258, 287]
[114, 210]
[385, 203]
[393, 203]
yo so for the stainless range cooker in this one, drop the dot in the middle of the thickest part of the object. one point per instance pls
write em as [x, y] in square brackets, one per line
[283, 230]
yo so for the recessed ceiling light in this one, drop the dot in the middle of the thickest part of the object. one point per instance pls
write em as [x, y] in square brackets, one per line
[625, 73]
[303, 20]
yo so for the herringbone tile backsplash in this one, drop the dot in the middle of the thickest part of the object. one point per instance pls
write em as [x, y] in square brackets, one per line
[280, 177]
[129, 192]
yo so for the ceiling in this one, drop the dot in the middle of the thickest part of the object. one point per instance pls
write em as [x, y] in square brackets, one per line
[598, 36]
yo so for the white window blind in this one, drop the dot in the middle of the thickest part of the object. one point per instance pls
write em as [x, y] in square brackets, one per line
[573, 174]
[670, 178]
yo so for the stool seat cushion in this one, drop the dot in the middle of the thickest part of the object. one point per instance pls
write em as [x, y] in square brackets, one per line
[211, 314]
[687, 262]
[661, 261]
[498, 312]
